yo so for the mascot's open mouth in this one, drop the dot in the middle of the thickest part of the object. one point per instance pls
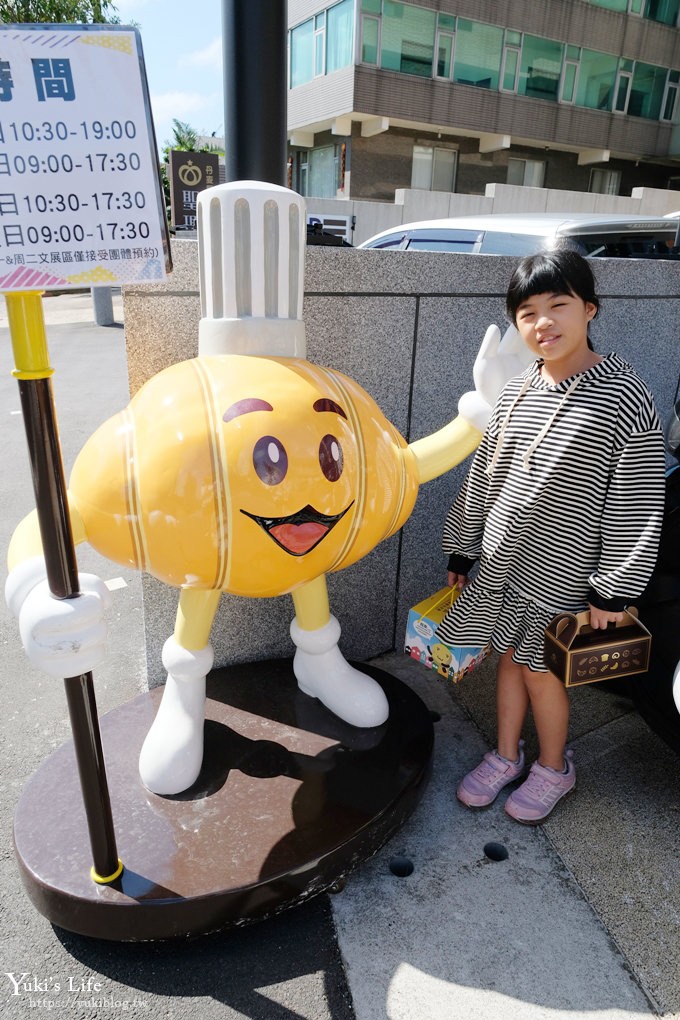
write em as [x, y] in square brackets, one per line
[300, 532]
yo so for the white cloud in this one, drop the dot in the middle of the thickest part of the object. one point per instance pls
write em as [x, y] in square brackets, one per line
[210, 56]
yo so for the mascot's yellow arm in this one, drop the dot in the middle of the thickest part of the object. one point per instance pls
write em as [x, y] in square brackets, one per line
[26, 541]
[438, 453]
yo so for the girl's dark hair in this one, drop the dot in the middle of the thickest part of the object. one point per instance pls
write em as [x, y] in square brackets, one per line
[561, 271]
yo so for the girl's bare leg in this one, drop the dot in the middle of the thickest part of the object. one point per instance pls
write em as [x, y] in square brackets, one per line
[512, 702]
[550, 707]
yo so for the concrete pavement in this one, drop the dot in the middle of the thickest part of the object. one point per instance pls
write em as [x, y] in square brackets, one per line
[581, 920]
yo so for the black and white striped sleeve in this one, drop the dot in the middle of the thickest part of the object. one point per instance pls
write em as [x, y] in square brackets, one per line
[633, 514]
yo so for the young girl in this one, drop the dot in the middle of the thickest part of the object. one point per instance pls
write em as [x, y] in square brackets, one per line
[562, 506]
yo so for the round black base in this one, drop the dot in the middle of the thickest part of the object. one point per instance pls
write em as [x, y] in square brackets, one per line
[289, 800]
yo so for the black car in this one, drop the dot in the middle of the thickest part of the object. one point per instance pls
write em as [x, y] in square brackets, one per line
[659, 607]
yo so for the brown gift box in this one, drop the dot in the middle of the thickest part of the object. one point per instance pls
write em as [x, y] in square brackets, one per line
[577, 654]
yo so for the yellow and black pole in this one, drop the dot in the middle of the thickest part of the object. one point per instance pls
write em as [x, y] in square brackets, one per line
[33, 372]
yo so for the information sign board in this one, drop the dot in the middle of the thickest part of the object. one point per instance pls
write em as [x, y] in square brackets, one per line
[81, 203]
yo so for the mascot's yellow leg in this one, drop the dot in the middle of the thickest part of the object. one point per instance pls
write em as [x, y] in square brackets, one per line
[312, 610]
[195, 615]
[319, 666]
[172, 753]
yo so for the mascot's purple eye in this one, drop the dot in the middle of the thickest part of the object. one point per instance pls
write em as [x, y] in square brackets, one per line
[330, 458]
[270, 460]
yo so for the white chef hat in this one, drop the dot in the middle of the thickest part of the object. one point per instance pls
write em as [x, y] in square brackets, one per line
[251, 251]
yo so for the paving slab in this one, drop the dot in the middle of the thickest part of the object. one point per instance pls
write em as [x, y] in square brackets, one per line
[554, 930]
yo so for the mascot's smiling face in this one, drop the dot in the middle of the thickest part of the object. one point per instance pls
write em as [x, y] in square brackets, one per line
[293, 471]
[302, 530]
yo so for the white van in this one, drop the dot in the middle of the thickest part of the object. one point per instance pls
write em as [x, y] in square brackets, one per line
[644, 237]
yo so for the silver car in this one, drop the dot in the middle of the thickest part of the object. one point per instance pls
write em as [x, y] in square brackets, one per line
[643, 237]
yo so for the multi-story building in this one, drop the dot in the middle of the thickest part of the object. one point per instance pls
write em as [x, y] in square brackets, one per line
[451, 95]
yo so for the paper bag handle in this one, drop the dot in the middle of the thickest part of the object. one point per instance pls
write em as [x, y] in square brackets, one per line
[567, 625]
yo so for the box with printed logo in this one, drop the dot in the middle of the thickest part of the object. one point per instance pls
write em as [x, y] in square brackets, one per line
[422, 644]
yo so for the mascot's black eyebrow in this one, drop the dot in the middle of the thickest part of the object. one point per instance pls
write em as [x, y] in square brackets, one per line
[324, 404]
[245, 406]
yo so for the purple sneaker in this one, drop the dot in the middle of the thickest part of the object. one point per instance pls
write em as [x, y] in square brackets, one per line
[533, 801]
[480, 787]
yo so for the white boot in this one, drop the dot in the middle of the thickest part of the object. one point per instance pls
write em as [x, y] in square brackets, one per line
[172, 754]
[323, 673]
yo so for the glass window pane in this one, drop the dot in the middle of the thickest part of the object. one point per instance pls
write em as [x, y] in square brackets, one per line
[596, 80]
[444, 53]
[302, 54]
[568, 83]
[443, 173]
[665, 11]
[372, 6]
[318, 53]
[369, 40]
[646, 94]
[421, 171]
[323, 172]
[573, 53]
[515, 173]
[541, 66]
[669, 105]
[534, 171]
[446, 21]
[622, 94]
[339, 33]
[612, 5]
[513, 38]
[408, 39]
[526, 172]
[510, 70]
[427, 244]
[478, 54]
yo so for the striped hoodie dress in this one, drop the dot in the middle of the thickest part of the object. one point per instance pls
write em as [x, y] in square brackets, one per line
[562, 506]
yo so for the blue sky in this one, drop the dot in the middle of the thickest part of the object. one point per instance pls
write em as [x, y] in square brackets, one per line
[183, 57]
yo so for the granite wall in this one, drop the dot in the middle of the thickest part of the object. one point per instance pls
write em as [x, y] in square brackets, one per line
[406, 326]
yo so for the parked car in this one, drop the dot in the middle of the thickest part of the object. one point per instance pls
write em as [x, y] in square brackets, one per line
[644, 237]
[652, 692]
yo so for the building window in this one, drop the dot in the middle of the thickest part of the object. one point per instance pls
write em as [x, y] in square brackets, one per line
[604, 182]
[541, 67]
[478, 54]
[302, 54]
[339, 35]
[528, 173]
[316, 172]
[663, 11]
[570, 74]
[434, 169]
[647, 91]
[670, 99]
[322, 44]
[624, 79]
[512, 51]
[446, 28]
[407, 42]
[596, 80]
[370, 40]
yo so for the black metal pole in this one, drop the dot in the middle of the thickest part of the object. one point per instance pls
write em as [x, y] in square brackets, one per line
[42, 436]
[254, 47]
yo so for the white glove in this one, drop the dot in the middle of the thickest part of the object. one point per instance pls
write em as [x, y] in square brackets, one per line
[62, 637]
[498, 361]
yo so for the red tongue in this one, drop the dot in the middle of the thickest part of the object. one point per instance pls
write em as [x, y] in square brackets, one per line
[298, 538]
